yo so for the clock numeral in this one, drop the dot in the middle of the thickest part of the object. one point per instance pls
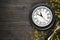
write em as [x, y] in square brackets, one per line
[40, 23]
[44, 23]
[37, 21]
[47, 11]
[48, 17]
[48, 14]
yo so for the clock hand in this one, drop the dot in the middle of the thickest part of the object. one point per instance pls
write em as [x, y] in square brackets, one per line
[42, 16]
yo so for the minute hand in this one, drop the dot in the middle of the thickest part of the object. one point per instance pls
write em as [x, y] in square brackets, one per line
[42, 16]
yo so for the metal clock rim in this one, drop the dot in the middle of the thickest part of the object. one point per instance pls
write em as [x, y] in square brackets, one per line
[38, 27]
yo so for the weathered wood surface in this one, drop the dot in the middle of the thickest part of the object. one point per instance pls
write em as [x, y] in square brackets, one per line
[14, 20]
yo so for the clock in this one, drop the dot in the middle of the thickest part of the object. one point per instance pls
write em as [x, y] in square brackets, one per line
[42, 16]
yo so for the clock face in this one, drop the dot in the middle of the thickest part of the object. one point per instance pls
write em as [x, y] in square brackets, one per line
[42, 16]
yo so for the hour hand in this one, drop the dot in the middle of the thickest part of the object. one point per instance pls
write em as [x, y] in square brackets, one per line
[39, 13]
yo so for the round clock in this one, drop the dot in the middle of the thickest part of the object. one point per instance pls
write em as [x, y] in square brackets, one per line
[42, 17]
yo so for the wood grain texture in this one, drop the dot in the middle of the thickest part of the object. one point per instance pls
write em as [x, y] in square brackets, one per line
[14, 20]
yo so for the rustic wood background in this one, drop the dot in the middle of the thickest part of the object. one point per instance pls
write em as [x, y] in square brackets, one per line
[14, 20]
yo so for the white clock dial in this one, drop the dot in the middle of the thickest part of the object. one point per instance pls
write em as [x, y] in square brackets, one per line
[42, 16]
